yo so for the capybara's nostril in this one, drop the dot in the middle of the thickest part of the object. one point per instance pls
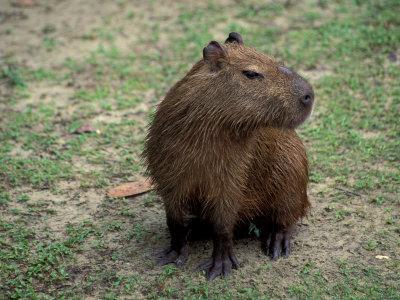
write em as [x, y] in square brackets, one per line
[304, 91]
[306, 100]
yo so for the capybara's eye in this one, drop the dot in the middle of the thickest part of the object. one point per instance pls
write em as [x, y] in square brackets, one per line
[252, 74]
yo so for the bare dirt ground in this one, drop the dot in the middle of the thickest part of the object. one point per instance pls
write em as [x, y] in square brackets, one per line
[108, 63]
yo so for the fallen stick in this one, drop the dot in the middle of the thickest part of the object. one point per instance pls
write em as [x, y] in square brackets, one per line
[347, 192]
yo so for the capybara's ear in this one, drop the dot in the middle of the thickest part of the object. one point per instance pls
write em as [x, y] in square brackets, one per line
[234, 37]
[214, 55]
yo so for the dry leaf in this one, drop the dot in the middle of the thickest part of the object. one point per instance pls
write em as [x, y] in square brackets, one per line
[24, 3]
[131, 189]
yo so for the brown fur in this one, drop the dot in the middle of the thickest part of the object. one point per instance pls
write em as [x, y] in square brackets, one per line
[222, 147]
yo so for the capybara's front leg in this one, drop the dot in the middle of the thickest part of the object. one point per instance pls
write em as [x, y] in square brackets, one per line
[223, 259]
[177, 252]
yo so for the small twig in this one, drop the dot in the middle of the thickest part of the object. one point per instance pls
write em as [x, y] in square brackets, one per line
[347, 192]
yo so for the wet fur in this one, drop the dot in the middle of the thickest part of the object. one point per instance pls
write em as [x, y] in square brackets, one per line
[223, 149]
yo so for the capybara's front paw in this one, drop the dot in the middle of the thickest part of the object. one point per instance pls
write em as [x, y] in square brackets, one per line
[221, 265]
[170, 255]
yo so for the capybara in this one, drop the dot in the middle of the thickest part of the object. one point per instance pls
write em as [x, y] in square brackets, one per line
[223, 148]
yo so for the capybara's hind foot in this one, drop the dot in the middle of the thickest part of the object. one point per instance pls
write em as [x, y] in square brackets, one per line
[219, 266]
[169, 256]
[276, 243]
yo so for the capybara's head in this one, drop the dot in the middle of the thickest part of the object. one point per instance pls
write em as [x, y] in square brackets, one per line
[249, 88]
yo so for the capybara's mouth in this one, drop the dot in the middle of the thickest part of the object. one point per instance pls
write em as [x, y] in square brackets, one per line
[303, 117]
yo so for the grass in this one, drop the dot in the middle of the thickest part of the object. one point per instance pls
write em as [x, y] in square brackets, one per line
[61, 237]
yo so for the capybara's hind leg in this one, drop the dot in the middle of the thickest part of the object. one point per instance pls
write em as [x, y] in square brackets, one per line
[276, 240]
